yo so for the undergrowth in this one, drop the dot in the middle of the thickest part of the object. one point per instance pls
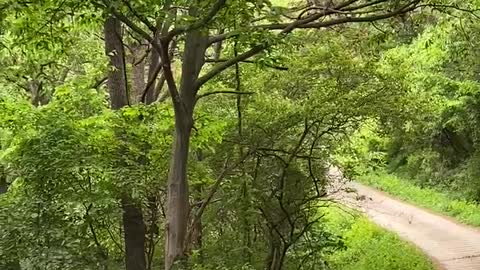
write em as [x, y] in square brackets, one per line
[369, 247]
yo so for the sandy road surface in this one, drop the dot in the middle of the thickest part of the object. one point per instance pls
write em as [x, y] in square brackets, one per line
[453, 246]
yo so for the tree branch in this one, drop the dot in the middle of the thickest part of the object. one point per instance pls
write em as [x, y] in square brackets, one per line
[222, 66]
[306, 23]
[141, 18]
[167, 72]
[314, 25]
[368, 4]
[223, 36]
[99, 82]
[159, 47]
[455, 7]
[407, 8]
[200, 23]
[128, 22]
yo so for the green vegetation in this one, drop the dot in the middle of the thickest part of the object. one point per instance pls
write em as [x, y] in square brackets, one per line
[430, 136]
[426, 150]
[197, 134]
[368, 247]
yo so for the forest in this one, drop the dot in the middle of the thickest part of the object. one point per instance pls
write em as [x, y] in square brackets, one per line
[200, 134]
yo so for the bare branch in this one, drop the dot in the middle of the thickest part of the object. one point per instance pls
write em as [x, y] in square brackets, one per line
[155, 74]
[151, 81]
[167, 72]
[142, 57]
[407, 8]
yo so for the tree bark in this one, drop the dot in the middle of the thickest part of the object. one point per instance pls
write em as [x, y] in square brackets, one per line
[133, 224]
[178, 194]
[117, 78]
[138, 72]
[36, 90]
[134, 235]
[197, 235]
[195, 232]
[277, 253]
[3, 181]
[152, 76]
[177, 200]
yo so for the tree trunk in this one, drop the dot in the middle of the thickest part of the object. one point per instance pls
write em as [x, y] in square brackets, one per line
[133, 225]
[3, 181]
[117, 78]
[277, 254]
[152, 76]
[38, 98]
[134, 235]
[197, 235]
[177, 201]
[152, 229]
[178, 195]
[138, 72]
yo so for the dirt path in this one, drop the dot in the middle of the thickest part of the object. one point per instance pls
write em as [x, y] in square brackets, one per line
[451, 245]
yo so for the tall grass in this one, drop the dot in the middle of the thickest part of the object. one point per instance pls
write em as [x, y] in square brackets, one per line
[369, 247]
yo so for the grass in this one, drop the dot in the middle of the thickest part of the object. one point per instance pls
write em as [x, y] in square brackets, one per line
[462, 210]
[369, 247]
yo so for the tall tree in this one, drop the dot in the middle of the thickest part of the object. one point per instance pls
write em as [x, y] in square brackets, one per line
[133, 224]
[198, 38]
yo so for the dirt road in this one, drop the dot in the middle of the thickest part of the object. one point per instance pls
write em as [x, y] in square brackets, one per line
[453, 246]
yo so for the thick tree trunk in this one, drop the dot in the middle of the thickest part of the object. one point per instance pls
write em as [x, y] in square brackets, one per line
[178, 195]
[117, 78]
[133, 225]
[177, 201]
[134, 235]
[194, 238]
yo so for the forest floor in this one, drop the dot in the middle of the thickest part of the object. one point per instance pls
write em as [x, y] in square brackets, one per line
[451, 245]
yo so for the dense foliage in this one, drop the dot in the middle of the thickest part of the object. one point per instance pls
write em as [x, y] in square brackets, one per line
[430, 135]
[197, 134]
